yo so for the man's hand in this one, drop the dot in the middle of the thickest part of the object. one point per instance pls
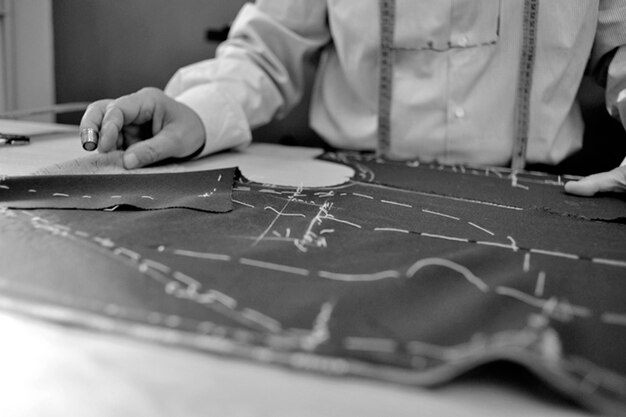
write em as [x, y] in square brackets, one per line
[149, 125]
[612, 181]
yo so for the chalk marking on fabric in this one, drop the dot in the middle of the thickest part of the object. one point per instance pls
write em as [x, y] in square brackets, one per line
[122, 251]
[514, 246]
[455, 239]
[309, 238]
[481, 228]
[27, 213]
[526, 266]
[541, 284]
[614, 318]
[60, 195]
[496, 244]
[325, 231]
[147, 197]
[260, 318]
[205, 195]
[560, 307]
[158, 266]
[370, 344]
[106, 242]
[320, 332]
[440, 214]
[390, 229]
[429, 350]
[443, 196]
[31, 190]
[274, 266]
[116, 196]
[202, 255]
[467, 274]
[610, 262]
[239, 188]
[186, 279]
[363, 196]
[219, 178]
[86, 196]
[395, 203]
[162, 277]
[333, 218]
[514, 181]
[268, 228]
[555, 253]
[358, 277]
[112, 208]
[280, 213]
[268, 191]
[220, 297]
[5, 187]
[242, 203]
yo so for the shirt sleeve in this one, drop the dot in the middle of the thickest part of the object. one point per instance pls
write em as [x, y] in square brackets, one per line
[257, 73]
[611, 41]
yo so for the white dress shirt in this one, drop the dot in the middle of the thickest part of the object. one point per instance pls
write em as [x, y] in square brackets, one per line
[454, 76]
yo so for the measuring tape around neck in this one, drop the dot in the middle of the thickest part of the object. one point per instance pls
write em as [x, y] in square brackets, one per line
[385, 88]
[524, 83]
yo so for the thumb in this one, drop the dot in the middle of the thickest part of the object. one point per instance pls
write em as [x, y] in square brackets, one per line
[611, 181]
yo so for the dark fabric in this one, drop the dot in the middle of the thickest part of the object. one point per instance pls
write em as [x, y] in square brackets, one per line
[380, 281]
[537, 191]
[203, 190]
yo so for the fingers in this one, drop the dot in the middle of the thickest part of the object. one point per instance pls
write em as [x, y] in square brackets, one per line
[611, 181]
[147, 152]
[111, 117]
[177, 139]
[92, 118]
[130, 121]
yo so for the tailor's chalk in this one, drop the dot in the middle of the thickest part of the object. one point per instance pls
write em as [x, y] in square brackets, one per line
[89, 139]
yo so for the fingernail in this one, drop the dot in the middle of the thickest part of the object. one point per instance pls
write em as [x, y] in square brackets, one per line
[131, 161]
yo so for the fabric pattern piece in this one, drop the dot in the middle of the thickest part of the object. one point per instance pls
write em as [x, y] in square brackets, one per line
[363, 279]
[525, 190]
[202, 190]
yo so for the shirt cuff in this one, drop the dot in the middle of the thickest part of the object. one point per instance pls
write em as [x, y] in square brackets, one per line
[225, 123]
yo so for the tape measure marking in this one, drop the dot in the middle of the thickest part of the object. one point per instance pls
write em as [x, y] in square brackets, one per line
[525, 82]
[385, 88]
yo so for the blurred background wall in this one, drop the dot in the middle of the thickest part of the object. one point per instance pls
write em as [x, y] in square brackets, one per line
[26, 54]
[107, 48]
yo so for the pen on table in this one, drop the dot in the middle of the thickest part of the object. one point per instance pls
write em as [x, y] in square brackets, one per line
[89, 139]
[8, 139]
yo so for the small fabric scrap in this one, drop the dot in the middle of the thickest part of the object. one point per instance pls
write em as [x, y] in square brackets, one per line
[201, 190]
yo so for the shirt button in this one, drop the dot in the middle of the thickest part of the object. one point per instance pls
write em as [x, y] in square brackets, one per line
[459, 112]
